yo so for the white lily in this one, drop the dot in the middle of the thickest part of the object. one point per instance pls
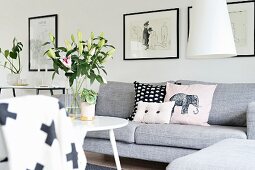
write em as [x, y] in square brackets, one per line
[66, 61]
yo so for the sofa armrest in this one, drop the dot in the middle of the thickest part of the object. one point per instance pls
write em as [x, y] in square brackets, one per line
[251, 121]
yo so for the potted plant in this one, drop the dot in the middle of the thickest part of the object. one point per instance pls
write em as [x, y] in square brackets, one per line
[12, 62]
[82, 61]
[88, 103]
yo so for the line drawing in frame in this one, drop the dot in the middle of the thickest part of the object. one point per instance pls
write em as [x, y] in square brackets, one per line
[243, 25]
[39, 28]
[151, 35]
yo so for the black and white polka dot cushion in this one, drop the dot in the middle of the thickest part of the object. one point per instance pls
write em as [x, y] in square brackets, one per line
[147, 93]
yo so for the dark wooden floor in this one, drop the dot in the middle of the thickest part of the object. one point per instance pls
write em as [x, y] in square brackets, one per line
[126, 163]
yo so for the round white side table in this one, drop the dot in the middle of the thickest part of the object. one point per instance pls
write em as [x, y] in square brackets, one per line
[102, 123]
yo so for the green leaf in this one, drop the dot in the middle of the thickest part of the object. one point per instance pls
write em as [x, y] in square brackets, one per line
[109, 46]
[62, 49]
[104, 71]
[45, 52]
[55, 66]
[99, 79]
[72, 77]
[45, 43]
[92, 79]
[6, 53]
[70, 52]
[13, 55]
[53, 75]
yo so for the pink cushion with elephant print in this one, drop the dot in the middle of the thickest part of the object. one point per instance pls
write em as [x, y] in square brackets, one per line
[192, 103]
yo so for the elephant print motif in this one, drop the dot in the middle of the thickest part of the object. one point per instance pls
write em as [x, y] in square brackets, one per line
[185, 101]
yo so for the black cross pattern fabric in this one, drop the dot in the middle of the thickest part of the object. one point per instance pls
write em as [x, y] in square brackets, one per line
[43, 121]
[4, 114]
[39, 166]
[147, 93]
[73, 156]
[51, 133]
[61, 106]
[4, 160]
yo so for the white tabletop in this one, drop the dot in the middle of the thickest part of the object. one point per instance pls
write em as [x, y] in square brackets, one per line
[100, 123]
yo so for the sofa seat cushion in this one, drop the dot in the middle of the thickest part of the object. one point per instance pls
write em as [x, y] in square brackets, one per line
[229, 154]
[186, 136]
[124, 134]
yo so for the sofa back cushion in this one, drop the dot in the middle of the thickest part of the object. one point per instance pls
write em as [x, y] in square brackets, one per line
[115, 99]
[230, 102]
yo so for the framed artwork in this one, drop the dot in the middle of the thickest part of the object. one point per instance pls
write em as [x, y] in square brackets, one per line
[242, 19]
[151, 35]
[38, 33]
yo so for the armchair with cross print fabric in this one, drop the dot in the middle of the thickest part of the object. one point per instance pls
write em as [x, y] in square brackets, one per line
[36, 134]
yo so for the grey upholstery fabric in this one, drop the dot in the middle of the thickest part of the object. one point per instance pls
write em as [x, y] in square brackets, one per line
[115, 99]
[124, 134]
[231, 154]
[186, 136]
[251, 121]
[145, 152]
[4, 166]
[230, 102]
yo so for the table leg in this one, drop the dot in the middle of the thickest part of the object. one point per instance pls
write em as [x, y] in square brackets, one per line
[13, 92]
[51, 92]
[37, 91]
[114, 148]
[0, 90]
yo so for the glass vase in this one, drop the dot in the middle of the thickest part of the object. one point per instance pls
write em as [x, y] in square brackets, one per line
[72, 98]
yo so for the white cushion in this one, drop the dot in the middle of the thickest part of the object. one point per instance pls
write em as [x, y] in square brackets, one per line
[192, 103]
[153, 112]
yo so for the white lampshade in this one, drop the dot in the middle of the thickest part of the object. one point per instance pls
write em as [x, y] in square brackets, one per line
[210, 34]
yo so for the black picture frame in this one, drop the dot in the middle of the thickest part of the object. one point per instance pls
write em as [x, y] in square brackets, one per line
[45, 34]
[230, 3]
[125, 17]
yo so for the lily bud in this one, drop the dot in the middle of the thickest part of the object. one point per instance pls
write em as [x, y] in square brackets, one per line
[80, 48]
[92, 35]
[72, 37]
[68, 45]
[52, 38]
[92, 51]
[104, 80]
[111, 52]
[89, 43]
[51, 53]
[101, 43]
[106, 59]
[89, 58]
[80, 36]
[101, 35]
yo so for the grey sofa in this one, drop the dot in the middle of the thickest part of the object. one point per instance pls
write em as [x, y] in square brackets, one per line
[232, 116]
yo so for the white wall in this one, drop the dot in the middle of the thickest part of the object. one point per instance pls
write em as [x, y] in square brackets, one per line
[107, 16]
